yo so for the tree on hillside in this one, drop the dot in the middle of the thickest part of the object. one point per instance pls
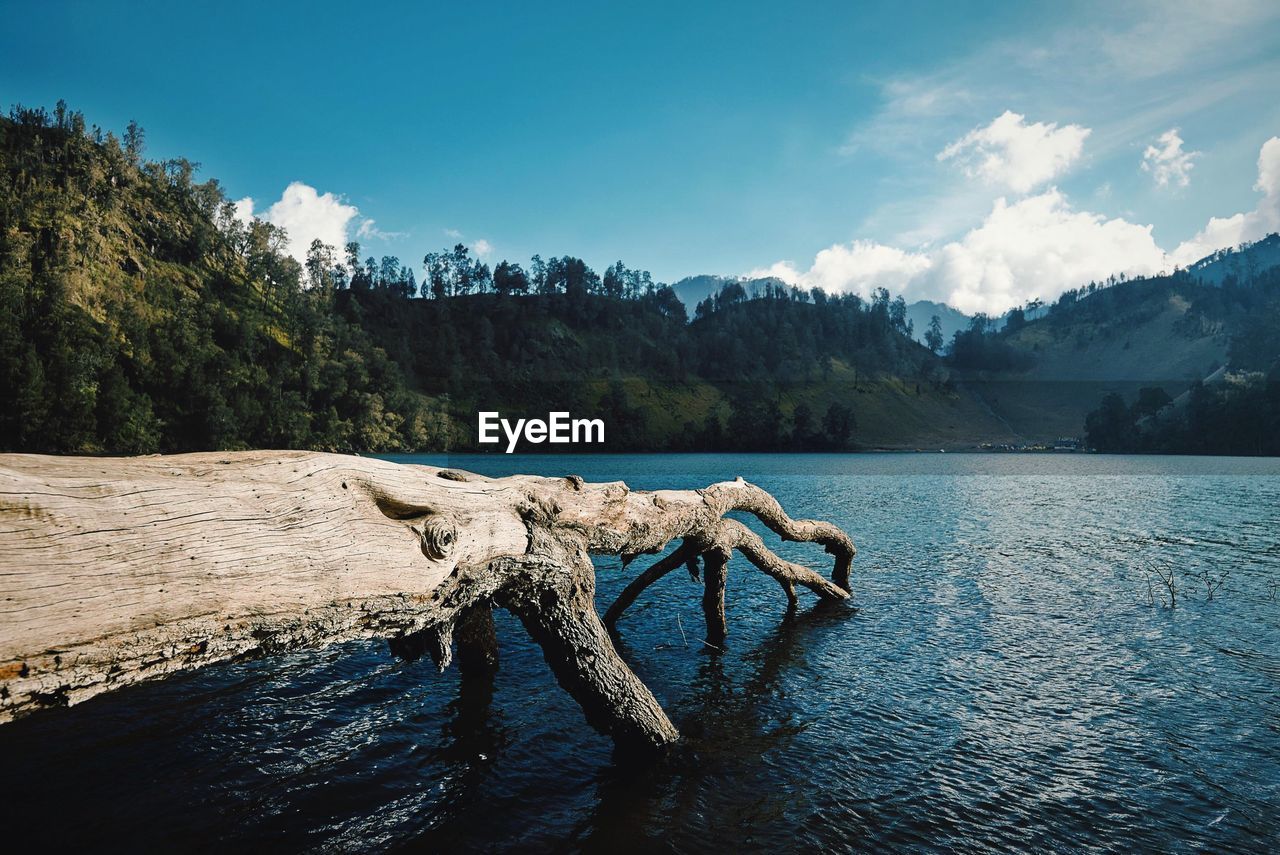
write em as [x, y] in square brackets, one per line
[1110, 427]
[615, 280]
[510, 279]
[933, 336]
[898, 314]
[359, 277]
[133, 142]
[571, 276]
[1015, 320]
[454, 273]
[319, 266]
[839, 424]
[1151, 400]
[538, 275]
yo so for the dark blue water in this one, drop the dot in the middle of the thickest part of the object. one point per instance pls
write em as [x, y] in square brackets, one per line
[1008, 681]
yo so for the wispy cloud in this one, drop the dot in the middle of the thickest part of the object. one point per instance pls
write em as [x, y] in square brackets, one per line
[907, 105]
[1156, 38]
[1132, 69]
[369, 230]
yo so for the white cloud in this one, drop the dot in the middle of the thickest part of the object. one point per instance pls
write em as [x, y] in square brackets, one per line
[306, 215]
[1038, 246]
[244, 210]
[1223, 232]
[1035, 247]
[860, 267]
[1167, 162]
[481, 247]
[1011, 153]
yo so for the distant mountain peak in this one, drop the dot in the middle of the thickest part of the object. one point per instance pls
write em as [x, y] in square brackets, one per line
[692, 290]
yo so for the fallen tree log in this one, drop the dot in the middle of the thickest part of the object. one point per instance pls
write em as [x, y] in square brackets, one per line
[119, 570]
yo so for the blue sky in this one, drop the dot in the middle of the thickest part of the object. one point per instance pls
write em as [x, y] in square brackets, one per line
[979, 153]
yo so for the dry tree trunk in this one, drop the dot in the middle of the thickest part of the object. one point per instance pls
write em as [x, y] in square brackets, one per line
[119, 570]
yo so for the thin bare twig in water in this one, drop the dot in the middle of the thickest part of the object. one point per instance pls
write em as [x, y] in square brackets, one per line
[1167, 581]
[1212, 583]
[682, 635]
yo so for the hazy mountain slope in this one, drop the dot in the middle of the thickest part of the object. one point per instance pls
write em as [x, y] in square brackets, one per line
[1159, 340]
[1166, 331]
[1241, 264]
[921, 312]
[657, 381]
[692, 290]
[890, 413]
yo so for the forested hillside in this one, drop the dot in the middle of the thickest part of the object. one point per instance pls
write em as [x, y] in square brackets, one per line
[139, 314]
[1233, 410]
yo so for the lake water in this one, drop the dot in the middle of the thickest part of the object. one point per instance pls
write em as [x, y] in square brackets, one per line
[1007, 681]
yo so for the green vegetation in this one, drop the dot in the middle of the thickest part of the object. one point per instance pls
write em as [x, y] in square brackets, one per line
[621, 348]
[140, 315]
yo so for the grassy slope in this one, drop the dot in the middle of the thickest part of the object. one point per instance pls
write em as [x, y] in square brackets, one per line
[1078, 360]
[898, 414]
[891, 413]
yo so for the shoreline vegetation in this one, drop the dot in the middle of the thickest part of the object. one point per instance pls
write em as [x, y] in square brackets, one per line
[139, 314]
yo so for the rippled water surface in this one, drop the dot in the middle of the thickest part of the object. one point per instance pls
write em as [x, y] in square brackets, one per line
[1008, 680]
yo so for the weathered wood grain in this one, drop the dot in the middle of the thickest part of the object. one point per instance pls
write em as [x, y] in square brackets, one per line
[118, 570]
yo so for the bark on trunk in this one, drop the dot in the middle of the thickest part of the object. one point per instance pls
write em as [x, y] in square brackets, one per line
[714, 578]
[118, 570]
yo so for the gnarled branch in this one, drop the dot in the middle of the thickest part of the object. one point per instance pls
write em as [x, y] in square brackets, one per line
[114, 571]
